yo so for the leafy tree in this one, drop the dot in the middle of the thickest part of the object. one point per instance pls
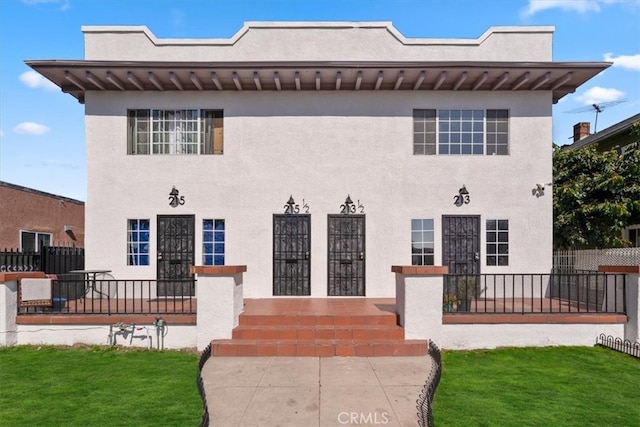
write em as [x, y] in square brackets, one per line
[595, 196]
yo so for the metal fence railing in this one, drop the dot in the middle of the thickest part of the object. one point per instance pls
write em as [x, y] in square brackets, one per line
[585, 292]
[77, 294]
[50, 259]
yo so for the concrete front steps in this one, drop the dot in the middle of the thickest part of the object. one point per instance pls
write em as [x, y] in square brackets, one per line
[323, 335]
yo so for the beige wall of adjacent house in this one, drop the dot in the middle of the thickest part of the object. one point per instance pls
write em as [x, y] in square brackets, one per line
[320, 147]
[25, 210]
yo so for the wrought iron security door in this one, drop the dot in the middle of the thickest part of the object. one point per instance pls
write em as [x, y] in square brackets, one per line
[460, 249]
[175, 255]
[291, 254]
[346, 258]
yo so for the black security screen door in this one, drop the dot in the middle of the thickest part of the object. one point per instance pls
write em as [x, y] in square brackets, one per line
[460, 249]
[291, 254]
[175, 255]
[346, 256]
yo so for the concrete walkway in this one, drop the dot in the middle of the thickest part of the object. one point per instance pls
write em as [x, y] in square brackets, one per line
[314, 391]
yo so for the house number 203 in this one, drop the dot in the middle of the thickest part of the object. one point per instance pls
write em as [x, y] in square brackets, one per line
[461, 199]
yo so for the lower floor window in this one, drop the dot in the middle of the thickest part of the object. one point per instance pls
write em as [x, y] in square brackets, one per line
[138, 242]
[497, 242]
[213, 241]
[422, 242]
[33, 241]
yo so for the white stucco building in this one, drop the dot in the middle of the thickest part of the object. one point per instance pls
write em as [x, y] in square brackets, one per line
[195, 146]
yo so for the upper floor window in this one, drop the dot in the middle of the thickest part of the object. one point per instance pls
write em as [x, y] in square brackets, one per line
[175, 132]
[33, 241]
[473, 132]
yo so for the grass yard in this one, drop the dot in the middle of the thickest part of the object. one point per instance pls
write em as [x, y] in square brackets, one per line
[554, 386]
[111, 386]
[98, 386]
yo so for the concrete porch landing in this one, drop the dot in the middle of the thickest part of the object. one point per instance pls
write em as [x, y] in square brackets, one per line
[321, 327]
[314, 391]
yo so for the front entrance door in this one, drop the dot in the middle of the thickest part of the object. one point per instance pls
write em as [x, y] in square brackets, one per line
[175, 255]
[346, 256]
[461, 253]
[291, 254]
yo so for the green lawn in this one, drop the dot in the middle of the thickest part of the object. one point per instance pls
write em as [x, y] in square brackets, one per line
[111, 386]
[553, 386]
[98, 386]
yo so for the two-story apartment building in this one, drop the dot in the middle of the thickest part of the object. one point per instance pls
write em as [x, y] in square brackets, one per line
[319, 154]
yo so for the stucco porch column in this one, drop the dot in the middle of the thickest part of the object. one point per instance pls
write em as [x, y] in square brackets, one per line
[9, 305]
[219, 291]
[419, 300]
[632, 295]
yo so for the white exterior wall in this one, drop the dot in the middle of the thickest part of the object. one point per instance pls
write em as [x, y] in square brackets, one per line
[320, 41]
[176, 336]
[318, 146]
[480, 336]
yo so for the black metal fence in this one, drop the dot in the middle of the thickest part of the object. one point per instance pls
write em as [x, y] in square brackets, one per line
[78, 294]
[206, 354]
[425, 399]
[51, 260]
[575, 292]
[624, 346]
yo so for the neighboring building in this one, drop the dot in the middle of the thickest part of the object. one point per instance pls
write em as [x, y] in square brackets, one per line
[395, 150]
[31, 219]
[616, 137]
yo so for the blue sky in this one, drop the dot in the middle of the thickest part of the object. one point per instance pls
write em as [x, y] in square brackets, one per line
[42, 129]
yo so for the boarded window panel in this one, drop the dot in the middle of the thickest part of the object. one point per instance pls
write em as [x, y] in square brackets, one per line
[218, 134]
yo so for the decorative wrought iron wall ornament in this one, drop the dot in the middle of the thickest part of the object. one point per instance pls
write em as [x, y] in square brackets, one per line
[349, 207]
[463, 197]
[175, 199]
[292, 208]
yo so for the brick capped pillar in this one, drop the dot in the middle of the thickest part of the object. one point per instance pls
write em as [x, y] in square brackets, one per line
[419, 300]
[632, 295]
[220, 301]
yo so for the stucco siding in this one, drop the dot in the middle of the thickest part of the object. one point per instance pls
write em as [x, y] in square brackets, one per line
[320, 147]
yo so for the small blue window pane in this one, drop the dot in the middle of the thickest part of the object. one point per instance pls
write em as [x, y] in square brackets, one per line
[219, 260]
[133, 224]
[144, 224]
[144, 259]
[134, 237]
[208, 260]
[207, 224]
[219, 224]
[208, 248]
[219, 236]
[144, 248]
[208, 236]
[218, 248]
[144, 236]
[416, 224]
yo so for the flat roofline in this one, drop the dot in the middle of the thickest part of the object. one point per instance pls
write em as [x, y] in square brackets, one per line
[40, 193]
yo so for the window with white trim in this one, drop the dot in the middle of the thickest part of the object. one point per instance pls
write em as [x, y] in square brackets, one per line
[138, 242]
[497, 242]
[188, 131]
[213, 241]
[422, 242]
[461, 132]
[33, 241]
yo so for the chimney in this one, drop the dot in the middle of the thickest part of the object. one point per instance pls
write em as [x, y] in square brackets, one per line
[580, 130]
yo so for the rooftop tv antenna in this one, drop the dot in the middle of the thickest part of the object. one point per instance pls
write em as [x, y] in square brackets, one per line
[598, 108]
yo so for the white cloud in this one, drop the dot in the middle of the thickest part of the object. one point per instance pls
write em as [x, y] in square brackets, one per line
[580, 6]
[59, 164]
[64, 4]
[630, 62]
[598, 95]
[31, 128]
[35, 80]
